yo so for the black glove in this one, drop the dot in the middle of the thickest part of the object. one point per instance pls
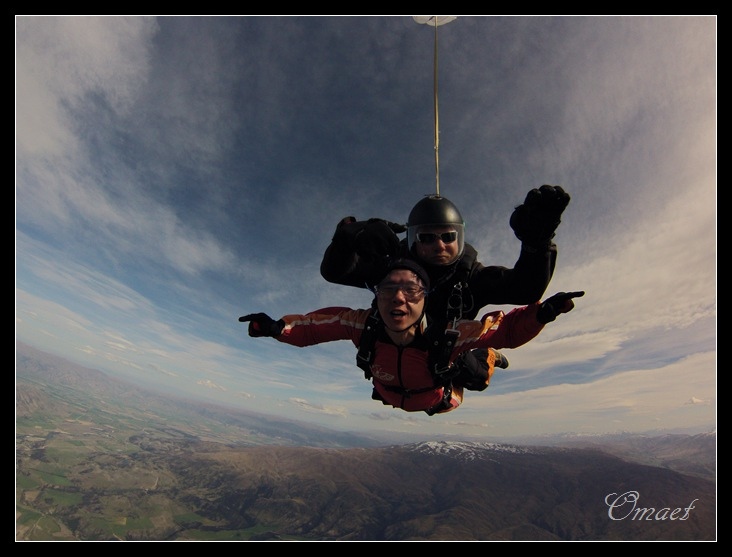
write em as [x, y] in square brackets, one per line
[559, 303]
[535, 222]
[262, 325]
[396, 227]
[350, 227]
[473, 369]
[377, 240]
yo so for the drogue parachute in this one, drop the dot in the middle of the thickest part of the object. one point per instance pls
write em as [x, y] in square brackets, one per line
[434, 20]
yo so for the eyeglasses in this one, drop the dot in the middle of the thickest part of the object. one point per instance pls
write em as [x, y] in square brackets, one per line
[412, 292]
[431, 238]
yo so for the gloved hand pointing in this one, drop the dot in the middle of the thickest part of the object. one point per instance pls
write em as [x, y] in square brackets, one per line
[559, 303]
[262, 325]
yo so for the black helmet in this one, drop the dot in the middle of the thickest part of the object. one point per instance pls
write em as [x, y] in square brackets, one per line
[435, 210]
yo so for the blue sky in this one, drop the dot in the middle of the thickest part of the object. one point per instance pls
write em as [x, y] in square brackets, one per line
[174, 173]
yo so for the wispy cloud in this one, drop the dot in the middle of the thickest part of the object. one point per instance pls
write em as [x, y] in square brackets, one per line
[174, 173]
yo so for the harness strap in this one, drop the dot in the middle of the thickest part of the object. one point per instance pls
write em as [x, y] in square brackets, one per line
[440, 352]
[455, 302]
[366, 351]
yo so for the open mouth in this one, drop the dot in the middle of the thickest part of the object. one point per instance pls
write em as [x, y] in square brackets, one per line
[398, 314]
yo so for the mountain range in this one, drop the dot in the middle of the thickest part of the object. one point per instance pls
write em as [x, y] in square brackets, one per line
[98, 459]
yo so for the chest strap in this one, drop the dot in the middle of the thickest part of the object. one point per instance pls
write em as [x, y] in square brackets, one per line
[441, 346]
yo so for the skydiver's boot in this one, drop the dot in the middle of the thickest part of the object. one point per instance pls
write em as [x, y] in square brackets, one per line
[501, 360]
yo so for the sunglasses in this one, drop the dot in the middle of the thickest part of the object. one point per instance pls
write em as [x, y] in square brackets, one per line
[431, 238]
[412, 292]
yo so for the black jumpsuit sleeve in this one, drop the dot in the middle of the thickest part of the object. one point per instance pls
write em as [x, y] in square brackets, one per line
[340, 265]
[522, 285]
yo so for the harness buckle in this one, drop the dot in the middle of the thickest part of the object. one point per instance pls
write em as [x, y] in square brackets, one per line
[441, 363]
[456, 302]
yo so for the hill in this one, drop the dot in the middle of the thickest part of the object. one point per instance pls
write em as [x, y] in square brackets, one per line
[98, 460]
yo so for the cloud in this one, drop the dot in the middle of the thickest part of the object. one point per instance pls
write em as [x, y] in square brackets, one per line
[318, 408]
[174, 173]
[210, 385]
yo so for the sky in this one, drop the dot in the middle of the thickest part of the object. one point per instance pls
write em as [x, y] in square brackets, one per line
[173, 173]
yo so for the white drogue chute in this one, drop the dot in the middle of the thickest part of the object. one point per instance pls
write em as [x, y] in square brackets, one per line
[434, 19]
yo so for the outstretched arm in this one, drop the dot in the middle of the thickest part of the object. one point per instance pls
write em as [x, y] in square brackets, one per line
[322, 325]
[518, 326]
[534, 222]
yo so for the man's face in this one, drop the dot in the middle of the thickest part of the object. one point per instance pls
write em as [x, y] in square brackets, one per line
[400, 300]
[433, 244]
